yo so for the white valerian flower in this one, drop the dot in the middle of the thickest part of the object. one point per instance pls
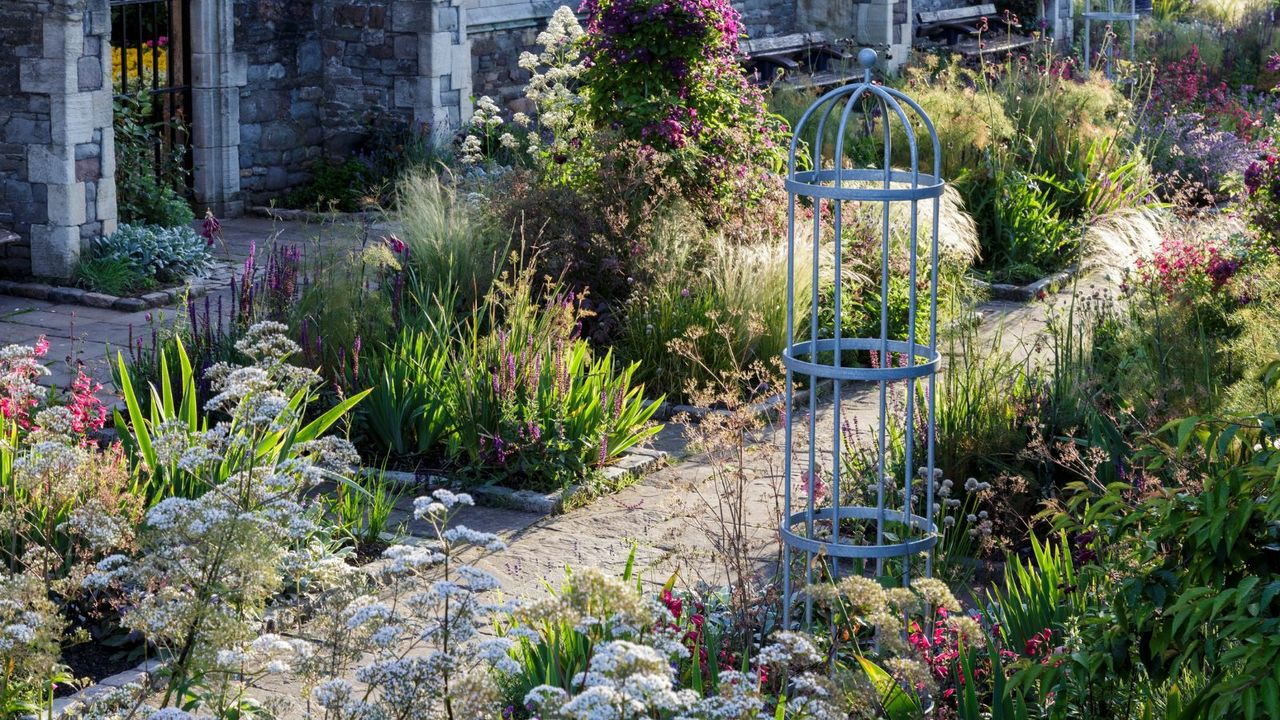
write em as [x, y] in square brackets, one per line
[470, 152]
[788, 648]
[170, 714]
[464, 534]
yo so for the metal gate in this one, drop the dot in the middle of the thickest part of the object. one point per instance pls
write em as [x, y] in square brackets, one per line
[151, 68]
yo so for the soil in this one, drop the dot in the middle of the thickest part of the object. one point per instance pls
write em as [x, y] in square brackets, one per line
[367, 552]
[95, 661]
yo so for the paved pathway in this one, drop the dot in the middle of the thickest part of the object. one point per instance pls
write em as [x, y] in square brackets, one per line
[89, 336]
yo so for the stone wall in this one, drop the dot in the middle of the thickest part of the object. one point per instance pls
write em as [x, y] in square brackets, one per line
[280, 121]
[493, 64]
[57, 151]
[321, 76]
[24, 120]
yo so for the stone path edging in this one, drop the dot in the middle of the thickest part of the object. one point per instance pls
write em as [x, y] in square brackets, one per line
[311, 216]
[632, 464]
[193, 286]
[1038, 289]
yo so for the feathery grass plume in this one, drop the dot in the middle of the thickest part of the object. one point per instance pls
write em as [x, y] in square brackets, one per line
[453, 247]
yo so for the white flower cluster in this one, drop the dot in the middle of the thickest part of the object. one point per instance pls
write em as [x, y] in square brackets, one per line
[268, 654]
[30, 631]
[217, 561]
[485, 120]
[789, 648]
[623, 679]
[552, 89]
[420, 641]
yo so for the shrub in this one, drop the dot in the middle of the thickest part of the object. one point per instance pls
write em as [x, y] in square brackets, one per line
[334, 185]
[1262, 181]
[666, 74]
[1184, 554]
[597, 236]
[150, 165]
[162, 254]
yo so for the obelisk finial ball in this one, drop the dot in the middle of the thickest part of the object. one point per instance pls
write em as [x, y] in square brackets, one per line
[867, 58]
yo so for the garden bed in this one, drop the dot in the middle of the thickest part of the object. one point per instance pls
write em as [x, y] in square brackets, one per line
[630, 466]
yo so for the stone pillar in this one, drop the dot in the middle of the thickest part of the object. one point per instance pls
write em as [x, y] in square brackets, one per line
[217, 74]
[884, 25]
[56, 141]
[442, 96]
[1060, 15]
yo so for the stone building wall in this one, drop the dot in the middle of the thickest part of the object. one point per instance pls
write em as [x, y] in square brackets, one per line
[280, 120]
[321, 76]
[24, 120]
[57, 151]
[885, 25]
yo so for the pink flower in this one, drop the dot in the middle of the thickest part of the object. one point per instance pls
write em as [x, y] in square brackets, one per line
[88, 414]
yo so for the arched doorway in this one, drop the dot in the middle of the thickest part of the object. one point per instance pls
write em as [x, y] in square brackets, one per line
[152, 86]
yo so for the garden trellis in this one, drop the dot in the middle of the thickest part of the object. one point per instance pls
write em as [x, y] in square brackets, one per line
[816, 183]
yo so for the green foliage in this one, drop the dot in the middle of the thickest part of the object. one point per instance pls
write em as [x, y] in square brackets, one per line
[552, 648]
[1036, 155]
[150, 166]
[1042, 592]
[712, 319]
[1188, 573]
[408, 411]
[334, 185]
[114, 276]
[361, 509]
[29, 653]
[1021, 224]
[169, 407]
